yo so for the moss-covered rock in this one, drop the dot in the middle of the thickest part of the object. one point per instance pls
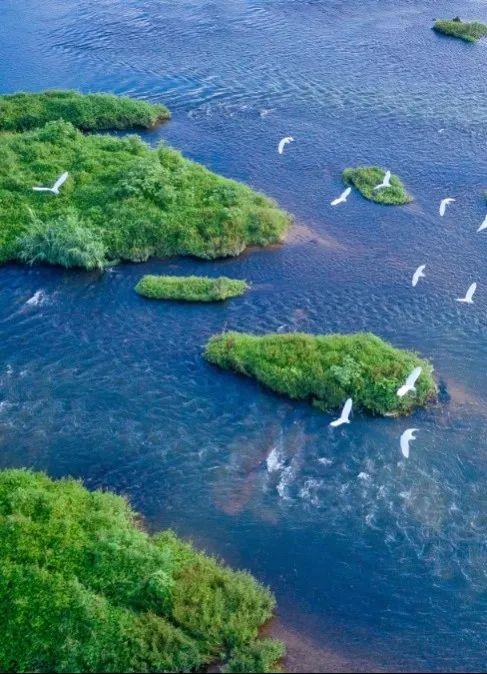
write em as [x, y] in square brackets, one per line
[366, 178]
[89, 112]
[84, 589]
[468, 31]
[327, 369]
[134, 201]
[190, 288]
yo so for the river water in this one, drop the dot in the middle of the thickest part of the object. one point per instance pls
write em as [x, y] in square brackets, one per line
[376, 562]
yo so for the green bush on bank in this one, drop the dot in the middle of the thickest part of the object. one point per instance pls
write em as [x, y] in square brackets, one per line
[83, 588]
[327, 369]
[88, 112]
[365, 178]
[190, 288]
[134, 201]
[468, 31]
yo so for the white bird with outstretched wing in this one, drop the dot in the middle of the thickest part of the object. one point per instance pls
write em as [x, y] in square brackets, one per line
[345, 415]
[342, 198]
[410, 382]
[406, 438]
[418, 274]
[444, 203]
[283, 143]
[386, 182]
[468, 299]
[56, 187]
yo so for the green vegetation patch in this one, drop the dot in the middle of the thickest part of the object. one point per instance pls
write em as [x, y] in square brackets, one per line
[366, 178]
[89, 112]
[468, 31]
[190, 288]
[327, 369]
[84, 589]
[122, 198]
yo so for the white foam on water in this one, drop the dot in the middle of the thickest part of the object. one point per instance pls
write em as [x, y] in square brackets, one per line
[275, 461]
[38, 298]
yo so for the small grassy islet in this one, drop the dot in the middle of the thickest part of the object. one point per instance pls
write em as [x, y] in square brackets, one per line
[89, 112]
[190, 288]
[327, 369]
[465, 30]
[84, 589]
[366, 178]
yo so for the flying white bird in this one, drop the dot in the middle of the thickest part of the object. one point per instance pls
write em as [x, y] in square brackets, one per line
[468, 299]
[444, 203]
[418, 274]
[344, 417]
[410, 382]
[386, 182]
[342, 198]
[483, 225]
[57, 185]
[283, 143]
[406, 438]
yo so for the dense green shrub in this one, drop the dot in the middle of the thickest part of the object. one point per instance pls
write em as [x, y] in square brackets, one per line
[63, 242]
[468, 31]
[365, 178]
[327, 369]
[259, 656]
[136, 201]
[83, 588]
[190, 288]
[89, 112]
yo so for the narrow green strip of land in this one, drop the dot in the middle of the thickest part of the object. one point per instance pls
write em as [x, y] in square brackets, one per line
[367, 178]
[88, 112]
[468, 31]
[84, 589]
[327, 369]
[190, 288]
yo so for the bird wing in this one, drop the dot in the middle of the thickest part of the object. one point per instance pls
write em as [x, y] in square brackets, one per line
[471, 291]
[61, 180]
[42, 189]
[347, 408]
[413, 377]
[418, 273]
[387, 178]
[406, 437]
[443, 207]
[349, 189]
[483, 225]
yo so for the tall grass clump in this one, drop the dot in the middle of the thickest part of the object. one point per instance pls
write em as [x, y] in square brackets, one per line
[135, 201]
[468, 31]
[327, 369]
[190, 288]
[84, 589]
[365, 178]
[64, 241]
[88, 112]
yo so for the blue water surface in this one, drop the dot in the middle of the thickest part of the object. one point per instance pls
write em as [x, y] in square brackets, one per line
[379, 561]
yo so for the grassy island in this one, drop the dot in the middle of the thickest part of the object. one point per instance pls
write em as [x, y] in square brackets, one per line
[84, 589]
[365, 178]
[122, 201]
[190, 288]
[327, 369]
[468, 31]
[89, 112]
